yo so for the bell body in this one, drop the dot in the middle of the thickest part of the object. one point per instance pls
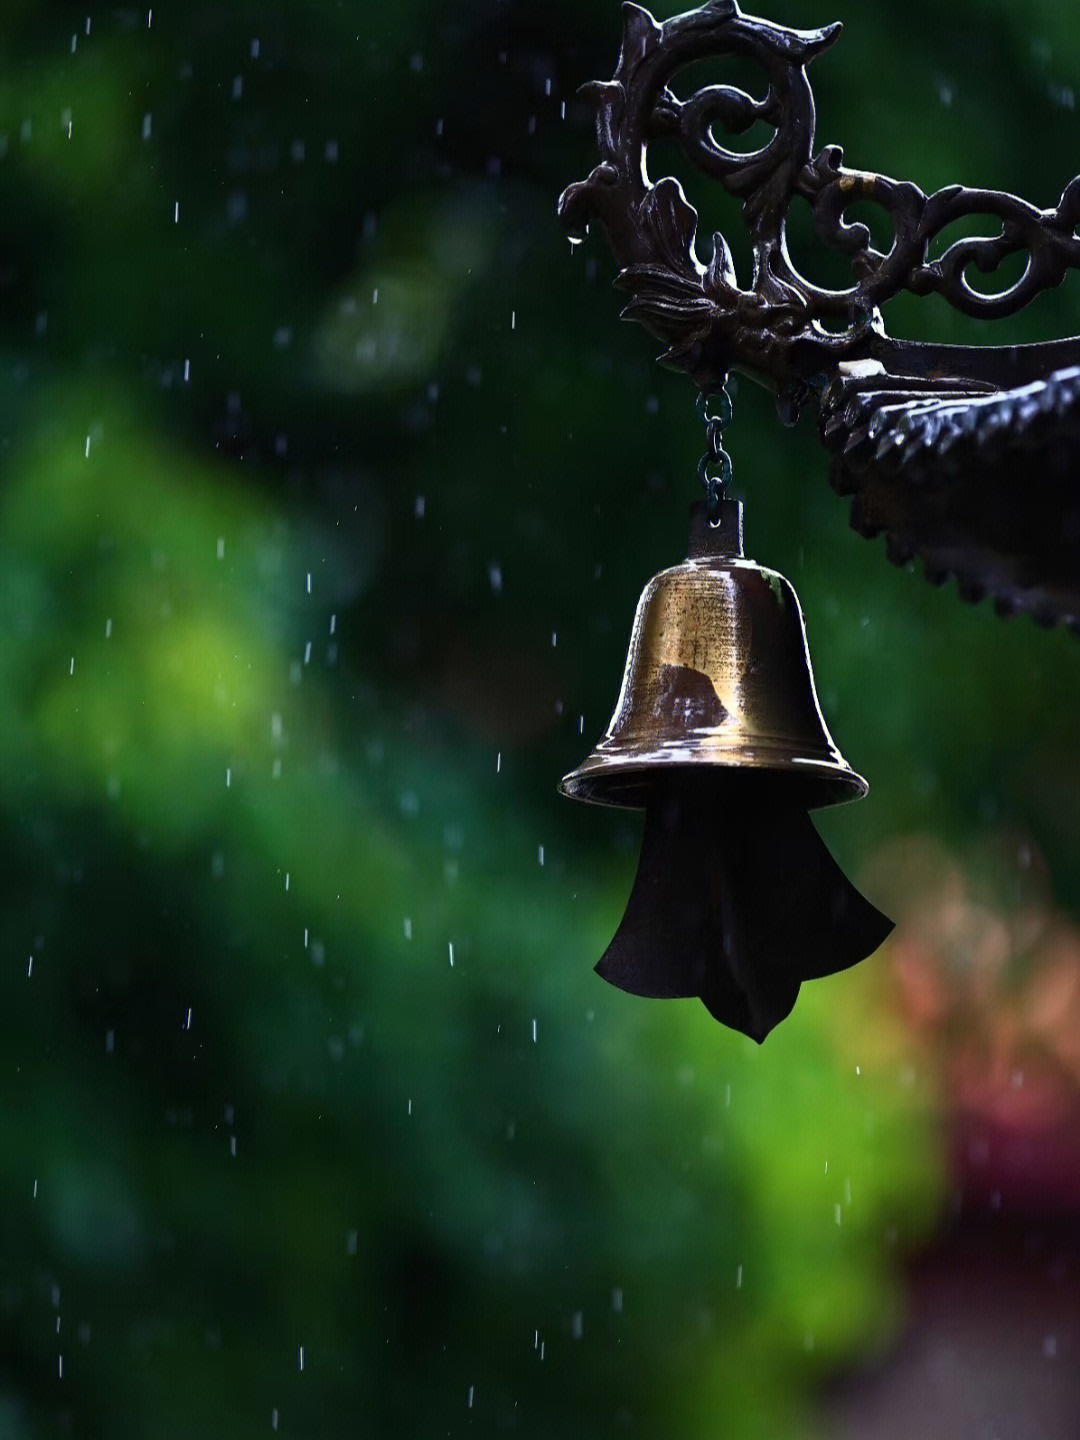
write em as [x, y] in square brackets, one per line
[719, 737]
[718, 674]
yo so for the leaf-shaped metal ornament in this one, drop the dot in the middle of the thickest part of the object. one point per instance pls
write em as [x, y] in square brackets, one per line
[931, 422]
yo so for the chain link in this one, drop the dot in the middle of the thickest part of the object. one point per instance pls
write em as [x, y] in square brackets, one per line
[714, 468]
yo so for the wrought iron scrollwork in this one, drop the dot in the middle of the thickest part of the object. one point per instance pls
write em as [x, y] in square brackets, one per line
[904, 419]
[783, 328]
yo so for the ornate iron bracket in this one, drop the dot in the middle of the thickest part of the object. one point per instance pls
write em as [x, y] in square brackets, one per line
[900, 415]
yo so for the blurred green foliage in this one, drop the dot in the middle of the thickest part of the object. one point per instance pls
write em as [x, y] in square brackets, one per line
[328, 488]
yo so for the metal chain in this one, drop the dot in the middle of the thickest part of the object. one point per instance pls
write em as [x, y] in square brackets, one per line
[714, 467]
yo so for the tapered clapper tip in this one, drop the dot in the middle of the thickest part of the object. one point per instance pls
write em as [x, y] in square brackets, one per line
[736, 904]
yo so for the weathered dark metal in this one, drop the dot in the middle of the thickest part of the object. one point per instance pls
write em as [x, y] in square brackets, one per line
[775, 329]
[918, 428]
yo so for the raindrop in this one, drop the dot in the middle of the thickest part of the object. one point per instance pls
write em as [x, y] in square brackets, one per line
[71, 667]
[534, 1031]
[408, 928]
[471, 1389]
[255, 56]
[1049, 1347]
[176, 212]
[451, 954]
[237, 86]
[187, 1019]
[333, 623]
[232, 1145]
[352, 1240]
[273, 1413]
[513, 319]
[147, 121]
[309, 582]
[410, 1107]
[418, 508]
[738, 1277]
[30, 967]
[228, 776]
[540, 854]
[110, 1041]
[577, 1325]
[330, 154]
[438, 127]
[286, 879]
[300, 1358]
[837, 1213]
[108, 629]
[495, 578]
[187, 372]
[616, 1301]
[221, 547]
[498, 762]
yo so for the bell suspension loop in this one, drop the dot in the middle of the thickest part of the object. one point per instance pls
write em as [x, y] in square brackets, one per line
[714, 467]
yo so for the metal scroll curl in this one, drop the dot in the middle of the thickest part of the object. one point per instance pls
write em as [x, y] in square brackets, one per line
[910, 424]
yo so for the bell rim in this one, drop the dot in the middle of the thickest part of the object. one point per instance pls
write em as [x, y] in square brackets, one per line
[829, 781]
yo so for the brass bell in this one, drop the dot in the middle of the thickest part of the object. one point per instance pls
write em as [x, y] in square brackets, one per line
[719, 737]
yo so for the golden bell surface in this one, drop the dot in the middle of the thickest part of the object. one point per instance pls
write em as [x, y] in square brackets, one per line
[718, 674]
